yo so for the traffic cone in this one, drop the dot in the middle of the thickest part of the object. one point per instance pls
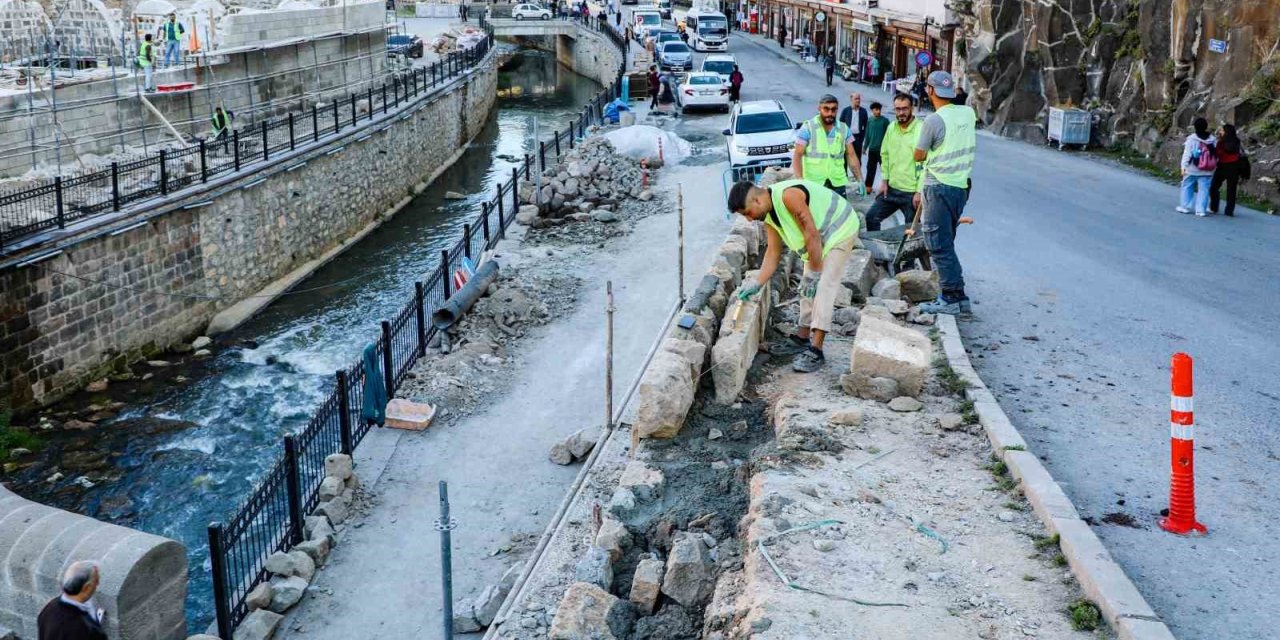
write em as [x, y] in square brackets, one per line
[1182, 480]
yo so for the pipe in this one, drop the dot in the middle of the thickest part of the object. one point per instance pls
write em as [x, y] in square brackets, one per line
[458, 304]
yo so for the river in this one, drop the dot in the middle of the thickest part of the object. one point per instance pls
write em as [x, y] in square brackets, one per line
[221, 428]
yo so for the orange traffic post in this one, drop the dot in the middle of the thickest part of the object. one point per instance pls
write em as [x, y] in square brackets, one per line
[1182, 479]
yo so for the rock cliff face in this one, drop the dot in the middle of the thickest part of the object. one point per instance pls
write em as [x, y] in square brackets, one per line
[1143, 67]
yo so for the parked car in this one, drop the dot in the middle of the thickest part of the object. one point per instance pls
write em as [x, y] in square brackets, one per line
[760, 133]
[721, 63]
[703, 89]
[405, 44]
[530, 12]
[675, 55]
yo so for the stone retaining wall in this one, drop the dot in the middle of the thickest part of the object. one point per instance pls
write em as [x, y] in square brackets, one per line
[72, 318]
[143, 577]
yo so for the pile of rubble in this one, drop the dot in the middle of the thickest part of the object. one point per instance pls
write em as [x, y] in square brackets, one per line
[589, 184]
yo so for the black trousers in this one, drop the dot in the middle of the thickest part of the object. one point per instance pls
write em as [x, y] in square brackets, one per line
[1228, 173]
[891, 202]
[830, 73]
[873, 163]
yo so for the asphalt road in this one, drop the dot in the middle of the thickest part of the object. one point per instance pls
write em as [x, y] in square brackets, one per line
[1086, 282]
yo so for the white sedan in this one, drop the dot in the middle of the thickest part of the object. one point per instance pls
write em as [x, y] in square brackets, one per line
[703, 89]
[530, 12]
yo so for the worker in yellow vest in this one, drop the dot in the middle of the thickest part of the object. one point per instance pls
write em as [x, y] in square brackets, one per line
[947, 146]
[821, 226]
[824, 152]
[147, 60]
[171, 31]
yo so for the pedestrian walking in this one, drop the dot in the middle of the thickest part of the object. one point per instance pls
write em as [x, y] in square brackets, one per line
[876, 126]
[830, 65]
[146, 60]
[1199, 160]
[823, 152]
[653, 87]
[73, 615]
[172, 32]
[741, 20]
[858, 125]
[821, 227]
[947, 146]
[900, 189]
[1232, 166]
[735, 84]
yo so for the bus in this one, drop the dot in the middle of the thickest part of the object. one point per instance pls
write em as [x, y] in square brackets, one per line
[708, 30]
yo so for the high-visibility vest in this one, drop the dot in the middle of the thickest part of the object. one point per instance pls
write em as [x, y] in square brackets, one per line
[897, 156]
[172, 30]
[219, 122]
[952, 161]
[144, 54]
[834, 217]
[823, 159]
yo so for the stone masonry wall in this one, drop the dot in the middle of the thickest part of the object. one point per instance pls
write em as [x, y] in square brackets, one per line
[59, 327]
[591, 55]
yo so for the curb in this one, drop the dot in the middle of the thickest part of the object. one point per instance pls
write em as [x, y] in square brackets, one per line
[1101, 578]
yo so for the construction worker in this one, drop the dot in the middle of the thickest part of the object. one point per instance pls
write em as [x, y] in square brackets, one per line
[221, 123]
[947, 146]
[822, 227]
[146, 60]
[900, 190]
[824, 150]
[172, 32]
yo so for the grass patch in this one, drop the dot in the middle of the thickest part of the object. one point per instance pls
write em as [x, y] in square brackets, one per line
[1047, 542]
[1000, 471]
[967, 412]
[11, 438]
[951, 381]
[1059, 560]
[1014, 506]
[1084, 615]
[1014, 447]
[1132, 157]
[1026, 577]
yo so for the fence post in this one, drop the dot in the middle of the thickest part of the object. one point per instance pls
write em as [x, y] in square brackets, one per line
[370, 95]
[353, 109]
[571, 135]
[484, 223]
[388, 361]
[466, 240]
[344, 413]
[315, 123]
[164, 175]
[204, 165]
[291, 141]
[420, 305]
[515, 188]
[502, 223]
[557, 145]
[542, 156]
[293, 488]
[57, 191]
[444, 273]
[115, 186]
[235, 151]
[218, 565]
[266, 143]
[384, 99]
[337, 123]
[445, 525]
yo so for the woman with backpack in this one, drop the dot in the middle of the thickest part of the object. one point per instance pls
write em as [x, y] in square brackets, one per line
[1199, 159]
[1232, 166]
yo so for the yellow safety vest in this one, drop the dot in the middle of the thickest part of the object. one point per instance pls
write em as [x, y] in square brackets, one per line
[834, 216]
[952, 161]
[144, 54]
[897, 156]
[823, 159]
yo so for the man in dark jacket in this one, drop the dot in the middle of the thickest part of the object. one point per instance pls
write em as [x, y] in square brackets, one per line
[830, 65]
[735, 84]
[653, 87]
[857, 127]
[73, 615]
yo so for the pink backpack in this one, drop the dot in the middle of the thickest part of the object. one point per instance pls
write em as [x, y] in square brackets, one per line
[1205, 157]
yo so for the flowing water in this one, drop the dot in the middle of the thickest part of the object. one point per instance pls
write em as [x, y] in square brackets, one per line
[191, 452]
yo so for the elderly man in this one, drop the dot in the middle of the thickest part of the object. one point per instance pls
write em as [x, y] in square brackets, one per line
[73, 615]
[855, 118]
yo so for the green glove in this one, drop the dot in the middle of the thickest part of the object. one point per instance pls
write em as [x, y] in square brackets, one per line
[748, 289]
[809, 284]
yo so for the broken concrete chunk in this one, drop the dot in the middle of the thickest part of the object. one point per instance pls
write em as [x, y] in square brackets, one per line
[587, 612]
[849, 418]
[918, 286]
[595, 567]
[877, 311]
[885, 350]
[690, 576]
[293, 563]
[622, 501]
[464, 619]
[336, 510]
[646, 585]
[951, 421]
[878, 389]
[317, 527]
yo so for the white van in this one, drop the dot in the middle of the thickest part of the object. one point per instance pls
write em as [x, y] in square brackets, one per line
[645, 19]
[708, 30]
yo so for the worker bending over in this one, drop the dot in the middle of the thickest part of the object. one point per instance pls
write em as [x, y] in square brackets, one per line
[819, 225]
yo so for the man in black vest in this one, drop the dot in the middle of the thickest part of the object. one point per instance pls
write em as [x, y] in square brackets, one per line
[73, 615]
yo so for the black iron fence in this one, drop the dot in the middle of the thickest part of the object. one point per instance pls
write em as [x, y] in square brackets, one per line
[271, 519]
[63, 200]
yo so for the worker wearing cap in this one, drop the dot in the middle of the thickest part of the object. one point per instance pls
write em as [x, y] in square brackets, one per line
[947, 146]
[824, 152]
[816, 223]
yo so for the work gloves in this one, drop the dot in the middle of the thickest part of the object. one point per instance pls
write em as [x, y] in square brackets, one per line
[809, 284]
[748, 290]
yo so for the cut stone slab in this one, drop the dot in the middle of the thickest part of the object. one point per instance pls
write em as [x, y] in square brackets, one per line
[664, 397]
[905, 404]
[646, 585]
[587, 612]
[736, 349]
[690, 351]
[259, 625]
[918, 286]
[885, 350]
[689, 579]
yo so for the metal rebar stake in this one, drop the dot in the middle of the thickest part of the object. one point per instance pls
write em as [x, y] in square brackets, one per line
[445, 525]
[680, 232]
[608, 357]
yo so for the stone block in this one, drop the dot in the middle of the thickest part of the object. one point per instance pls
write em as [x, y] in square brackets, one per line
[330, 488]
[885, 350]
[918, 286]
[293, 563]
[286, 592]
[575, 447]
[595, 567]
[734, 251]
[665, 394]
[690, 351]
[646, 585]
[338, 465]
[887, 288]
[258, 625]
[259, 597]
[317, 527]
[587, 612]
[642, 481]
[317, 549]
[860, 274]
[612, 536]
[690, 575]
[737, 346]
[336, 510]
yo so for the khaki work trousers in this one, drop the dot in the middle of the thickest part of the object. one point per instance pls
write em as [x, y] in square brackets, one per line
[817, 312]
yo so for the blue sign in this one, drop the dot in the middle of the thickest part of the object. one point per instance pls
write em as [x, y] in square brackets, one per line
[1218, 46]
[924, 59]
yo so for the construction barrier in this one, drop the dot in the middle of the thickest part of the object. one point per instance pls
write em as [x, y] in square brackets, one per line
[1182, 481]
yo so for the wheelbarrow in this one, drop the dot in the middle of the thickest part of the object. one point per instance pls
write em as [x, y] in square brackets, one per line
[896, 250]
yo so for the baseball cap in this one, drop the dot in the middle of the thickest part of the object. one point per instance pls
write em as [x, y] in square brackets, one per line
[942, 84]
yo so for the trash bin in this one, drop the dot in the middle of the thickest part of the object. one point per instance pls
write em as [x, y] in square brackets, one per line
[1068, 126]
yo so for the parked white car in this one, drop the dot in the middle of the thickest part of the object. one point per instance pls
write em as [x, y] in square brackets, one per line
[703, 90]
[760, 133]
[530, 12]
[721, 63]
